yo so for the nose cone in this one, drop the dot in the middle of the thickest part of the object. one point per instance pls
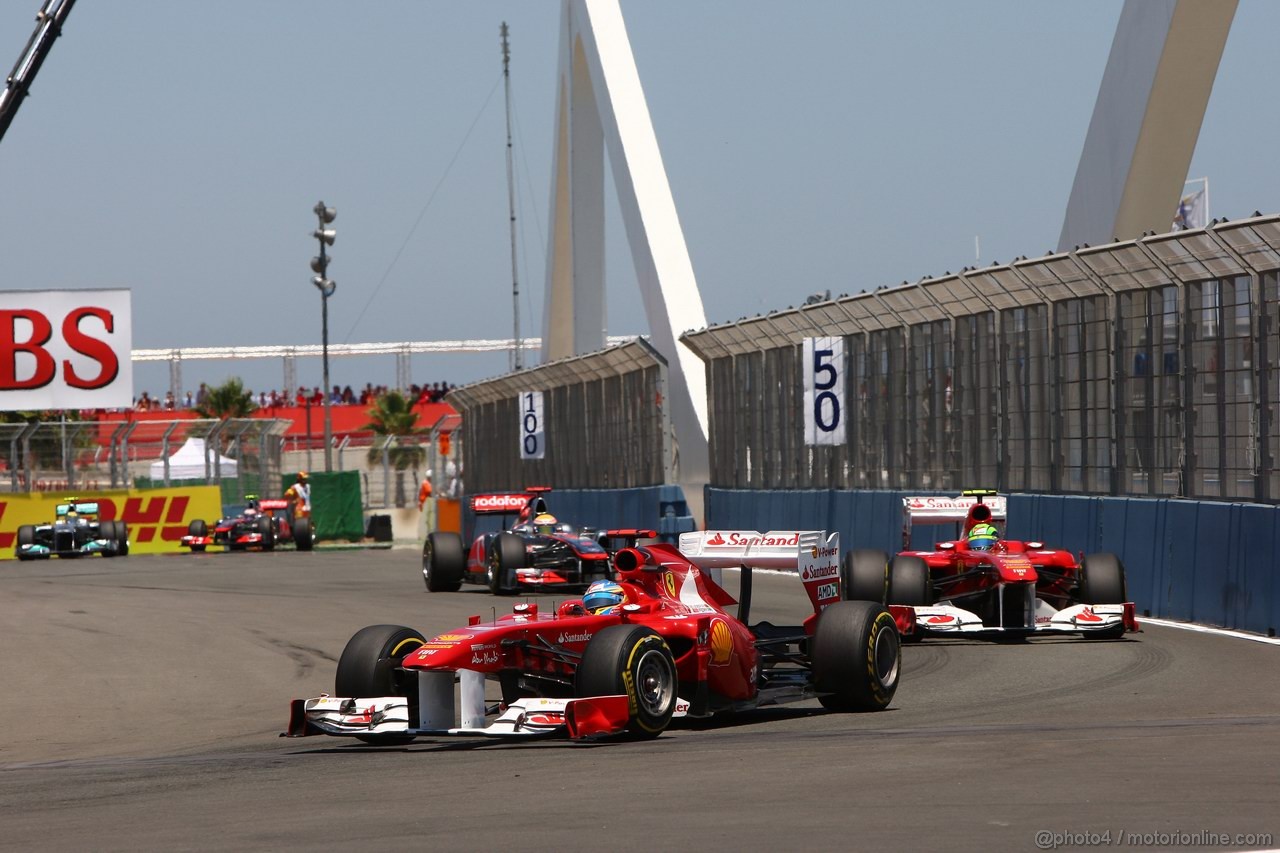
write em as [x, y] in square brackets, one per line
[1015, 569]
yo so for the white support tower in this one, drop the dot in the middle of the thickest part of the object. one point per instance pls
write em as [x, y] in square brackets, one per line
[1146, 121]
[600, 104]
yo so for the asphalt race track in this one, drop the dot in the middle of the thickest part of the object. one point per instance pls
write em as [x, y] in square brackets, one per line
[144, 697]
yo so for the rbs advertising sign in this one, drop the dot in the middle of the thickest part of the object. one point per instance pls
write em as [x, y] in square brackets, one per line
[65, 349]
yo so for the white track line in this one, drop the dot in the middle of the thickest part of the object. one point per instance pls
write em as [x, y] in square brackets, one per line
[1204, 629]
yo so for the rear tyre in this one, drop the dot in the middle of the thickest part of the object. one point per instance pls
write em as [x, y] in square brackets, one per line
[267, 532]
[909, 582]
[632, 661]
[857, 657]
[443, 562]
[506, 554]
[370, 666]
[864, 576]
[303, 539]
[1102, 582]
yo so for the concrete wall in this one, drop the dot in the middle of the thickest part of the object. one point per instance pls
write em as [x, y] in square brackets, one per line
[1207, 562]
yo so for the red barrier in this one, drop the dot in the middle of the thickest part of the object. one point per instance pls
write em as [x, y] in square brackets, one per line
[346, 419]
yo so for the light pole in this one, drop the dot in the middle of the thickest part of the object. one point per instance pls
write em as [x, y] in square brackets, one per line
[326, 285]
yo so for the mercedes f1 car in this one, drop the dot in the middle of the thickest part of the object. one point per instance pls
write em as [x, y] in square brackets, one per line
[1007, 587]
[671, 650]
[520, 556]
[262, 525]
[76, 531]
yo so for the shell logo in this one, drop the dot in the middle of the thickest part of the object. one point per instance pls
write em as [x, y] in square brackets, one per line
[450, 638]
[721, 643]
[670, 580]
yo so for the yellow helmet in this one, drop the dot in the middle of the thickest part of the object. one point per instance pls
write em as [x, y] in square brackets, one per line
[302, 475]
[544, 523]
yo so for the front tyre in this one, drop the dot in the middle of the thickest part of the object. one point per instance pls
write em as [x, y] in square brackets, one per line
[909, 582]
[1102, 582]
[443, 562]
[632, 661]
[857, 657]
[506, 554]
[303, 539]
[267, 532]
[864, 575]
[370, 666]
[26, 536]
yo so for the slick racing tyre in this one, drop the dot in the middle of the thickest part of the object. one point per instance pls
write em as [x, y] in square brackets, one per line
[197, 528]
[1102, 582]
[107, 531]
[267, 532]
[909, 582]
[370, 666]
[864, 576]
[443, 562]
[122, 529]
[303, 539]
[26, 536]
[857, 657]
[631, 660]
[506, 554]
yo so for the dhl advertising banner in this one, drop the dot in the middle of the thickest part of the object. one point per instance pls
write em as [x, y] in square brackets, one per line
[157, 518]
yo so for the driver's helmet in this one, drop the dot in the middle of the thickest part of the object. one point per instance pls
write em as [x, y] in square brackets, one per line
[545, 523]
[982, 537]
[604, 596]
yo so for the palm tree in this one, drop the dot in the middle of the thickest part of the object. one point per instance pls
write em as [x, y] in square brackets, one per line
[225, 401]
[393, 420]
[228, 400]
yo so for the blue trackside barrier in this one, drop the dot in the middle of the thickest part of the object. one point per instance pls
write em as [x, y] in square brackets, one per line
[1201, 561]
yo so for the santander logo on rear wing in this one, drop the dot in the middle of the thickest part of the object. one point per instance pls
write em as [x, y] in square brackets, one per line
[811, 554]
[935, 509]
[718, 549]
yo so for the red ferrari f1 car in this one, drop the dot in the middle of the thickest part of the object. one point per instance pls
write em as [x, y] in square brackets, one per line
[672, 650]
[535, 551]
[260, 526]
[996, 585]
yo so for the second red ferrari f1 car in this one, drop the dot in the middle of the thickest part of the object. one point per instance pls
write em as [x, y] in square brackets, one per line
[984, 583]
[663, 645]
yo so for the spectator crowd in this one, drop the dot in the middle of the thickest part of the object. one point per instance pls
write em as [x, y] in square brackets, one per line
[339, 396]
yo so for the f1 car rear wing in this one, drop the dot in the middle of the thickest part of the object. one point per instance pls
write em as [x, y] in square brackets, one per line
[273, 503]
[499, 503]
[811, 554]
[776, 549]
[940, 510]
[936, 509]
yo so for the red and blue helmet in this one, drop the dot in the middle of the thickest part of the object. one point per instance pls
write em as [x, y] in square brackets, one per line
[604, 596]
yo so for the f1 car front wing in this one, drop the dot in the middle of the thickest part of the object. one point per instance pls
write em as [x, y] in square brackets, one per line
[597, 716]
[1076, 619]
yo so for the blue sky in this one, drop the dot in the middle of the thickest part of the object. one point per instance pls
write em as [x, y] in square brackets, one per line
[177, 148]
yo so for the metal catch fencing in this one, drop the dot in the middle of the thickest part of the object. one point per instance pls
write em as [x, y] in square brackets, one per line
[1145, 368]
[242, 455]
[592, 421]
